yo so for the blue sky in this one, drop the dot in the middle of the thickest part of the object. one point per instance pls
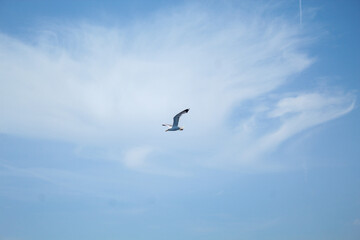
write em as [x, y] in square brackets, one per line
[270, 148]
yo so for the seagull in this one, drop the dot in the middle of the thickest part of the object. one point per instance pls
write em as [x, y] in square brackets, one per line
[175, 126]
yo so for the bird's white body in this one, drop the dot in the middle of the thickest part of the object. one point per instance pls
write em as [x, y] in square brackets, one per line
[174, 129]
[175, 126]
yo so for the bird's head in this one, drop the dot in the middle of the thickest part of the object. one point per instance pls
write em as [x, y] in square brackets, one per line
[181, 129]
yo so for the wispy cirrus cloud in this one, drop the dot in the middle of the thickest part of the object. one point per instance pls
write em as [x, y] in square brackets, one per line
[135, 158]
[292, 115]
[356, 222]
[112, 86]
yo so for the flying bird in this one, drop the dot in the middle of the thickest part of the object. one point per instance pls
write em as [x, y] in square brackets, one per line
[175, 126]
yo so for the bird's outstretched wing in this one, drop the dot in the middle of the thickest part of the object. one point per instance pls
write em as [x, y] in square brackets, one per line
[177, 117]
[167, 125]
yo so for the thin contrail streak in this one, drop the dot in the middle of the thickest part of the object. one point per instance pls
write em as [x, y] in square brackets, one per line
[300, 8]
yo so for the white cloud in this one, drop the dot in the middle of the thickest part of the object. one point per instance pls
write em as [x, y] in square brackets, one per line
[115, 86]
[88, 81]
[135, 158]
[298, 113]
[356, 222]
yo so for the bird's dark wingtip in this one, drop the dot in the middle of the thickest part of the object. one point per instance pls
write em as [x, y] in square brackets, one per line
[186, 110]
